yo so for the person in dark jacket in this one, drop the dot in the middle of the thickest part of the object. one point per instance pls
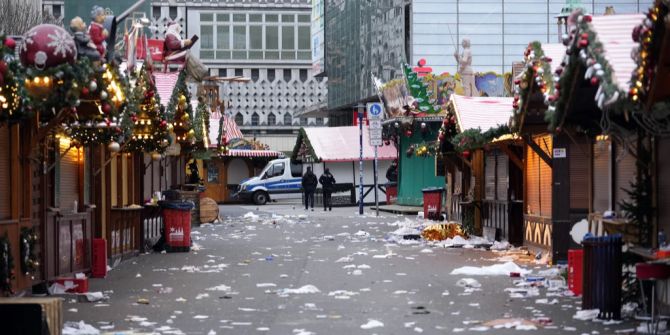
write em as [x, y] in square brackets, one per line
[392, 172]
[309, 184]
[328, 183]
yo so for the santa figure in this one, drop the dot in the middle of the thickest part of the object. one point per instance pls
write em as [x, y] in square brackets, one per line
[97, 31]
[176, 49]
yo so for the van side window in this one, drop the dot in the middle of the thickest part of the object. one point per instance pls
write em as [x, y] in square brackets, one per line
[296, 170]
[278, 169]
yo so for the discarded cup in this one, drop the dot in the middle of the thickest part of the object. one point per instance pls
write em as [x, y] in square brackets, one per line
[514, 274]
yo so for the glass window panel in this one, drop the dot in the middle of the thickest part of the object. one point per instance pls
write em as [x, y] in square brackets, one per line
[272, 38]
[206, 17]
[288, 18]
[255, 37]
[304, 38]
[255, 54]
[303, 55]
[255, 17]
[304, 18]
[239, 37]
[272, 55]
[223, 55]
[207, 38]
[223, 37]
[239, 55]
[288, 55]
[288, 38]
[206, 54]
[223, 17]
[239, 17]
[271, 18]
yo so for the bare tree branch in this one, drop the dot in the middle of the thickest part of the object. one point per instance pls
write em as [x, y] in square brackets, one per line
[17, 16]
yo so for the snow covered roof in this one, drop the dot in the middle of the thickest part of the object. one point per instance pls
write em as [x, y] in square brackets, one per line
[165, 82]
[614, 32]
[481, 112]
[341, 144]
[555, 51]
[231, 128]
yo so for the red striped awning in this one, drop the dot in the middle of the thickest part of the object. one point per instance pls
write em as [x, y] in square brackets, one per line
[232, 131]
[254, 153]
[165, 83]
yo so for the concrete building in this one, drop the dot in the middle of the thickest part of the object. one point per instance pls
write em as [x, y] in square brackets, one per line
[266, 41]
[374, 37]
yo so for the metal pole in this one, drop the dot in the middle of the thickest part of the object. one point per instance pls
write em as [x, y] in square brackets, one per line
[359, 107]
[375, 174]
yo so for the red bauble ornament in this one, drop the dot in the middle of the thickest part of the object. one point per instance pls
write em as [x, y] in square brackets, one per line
[133, 118]
[636, 33]
[10, 43]
[583, 43]
[106, 108]
[588, 18]
[149, 94]
[84, 91]
[595, 81]
[46, 46]
[3, 67]
[445, 122]
[408, 133]
[163, 124]
[441, 137]
[466, 154]
[517, 81]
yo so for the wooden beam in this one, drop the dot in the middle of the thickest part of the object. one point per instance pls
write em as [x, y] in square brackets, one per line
[55, 121]
[536, 148]
[659, 90]
[512, 155]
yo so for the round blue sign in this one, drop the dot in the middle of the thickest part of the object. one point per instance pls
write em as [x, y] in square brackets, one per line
[375, 109]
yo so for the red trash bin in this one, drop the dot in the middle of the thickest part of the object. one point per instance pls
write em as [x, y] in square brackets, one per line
[575, 268]
[177, 226]
[99, 269]
[432, 203]
[391, 193]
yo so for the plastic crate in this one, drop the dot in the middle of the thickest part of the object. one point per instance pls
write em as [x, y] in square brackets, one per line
[575, 269]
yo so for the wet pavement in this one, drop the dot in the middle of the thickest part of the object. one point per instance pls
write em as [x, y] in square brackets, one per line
[320, 273]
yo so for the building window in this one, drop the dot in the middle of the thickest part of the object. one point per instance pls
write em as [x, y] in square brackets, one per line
[271, 75]
[239, 119]
[272, 120]
[239, 73]
[319, 121]
[156, 12]
[287, 75]
[303, 75]
[254, 119]
[288, 119]
[173, 12]
[254, 75]
[303, 121]
[57, 12]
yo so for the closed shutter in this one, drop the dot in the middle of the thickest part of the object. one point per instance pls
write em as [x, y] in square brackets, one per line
[663, 196]
[490, 175]
[579, 174]
[625, 173]
[69, 177]
[5, 192]
[602, 176]
[538, 179]
[503, 175]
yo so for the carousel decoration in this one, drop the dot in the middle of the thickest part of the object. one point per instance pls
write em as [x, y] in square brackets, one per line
[180, 112]
[10, 90]
[537, 74]
[655, 118]
[6, 266]
[53, 77]
[419, 90]
[29, 261]
[145, 116]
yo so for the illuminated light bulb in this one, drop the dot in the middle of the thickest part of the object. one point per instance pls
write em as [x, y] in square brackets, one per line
[635, 98]
[46, 80]
[638, 84]
[37, 80]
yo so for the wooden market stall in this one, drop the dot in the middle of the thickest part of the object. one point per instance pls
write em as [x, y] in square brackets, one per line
[483, 168]
[590, 130]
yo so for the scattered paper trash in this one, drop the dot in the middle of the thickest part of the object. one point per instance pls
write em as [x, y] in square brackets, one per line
[492, 270]
[587, 314]
[79, 328]
[468, 282]
[372, 324]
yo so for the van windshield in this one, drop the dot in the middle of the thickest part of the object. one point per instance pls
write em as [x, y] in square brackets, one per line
[266, 170]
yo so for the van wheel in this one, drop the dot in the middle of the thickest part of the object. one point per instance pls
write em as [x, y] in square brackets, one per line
[260, 198]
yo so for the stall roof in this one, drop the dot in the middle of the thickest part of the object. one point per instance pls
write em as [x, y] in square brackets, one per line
[481, 112]
[614, 32]
[341, 144]
[165, 82]
[254, 153]
[232, 130]
[555, 51]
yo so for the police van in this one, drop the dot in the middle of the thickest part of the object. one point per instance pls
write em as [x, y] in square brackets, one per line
[279, 179]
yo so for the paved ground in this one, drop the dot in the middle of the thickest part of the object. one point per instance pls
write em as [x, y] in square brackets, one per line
[234, 283]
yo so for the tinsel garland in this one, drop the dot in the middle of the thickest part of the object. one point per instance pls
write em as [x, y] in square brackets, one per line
[29, 260]
[6, 266]
[584, 49]
[12, 91]
[536, 74]
[472, 139]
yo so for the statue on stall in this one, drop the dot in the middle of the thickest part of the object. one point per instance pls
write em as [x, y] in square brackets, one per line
[178, 49]
[85, 47]
[465, 70]
[97, 31]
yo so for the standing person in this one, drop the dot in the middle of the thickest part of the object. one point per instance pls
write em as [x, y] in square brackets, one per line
[327, 182]
[392, 172]
[309, 184]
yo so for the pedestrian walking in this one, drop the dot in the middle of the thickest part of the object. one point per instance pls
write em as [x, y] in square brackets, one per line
[309, 184]
[392, 172]
[327, 183]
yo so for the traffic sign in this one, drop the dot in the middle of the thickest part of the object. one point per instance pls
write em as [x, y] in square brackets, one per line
[375, 124]
[375, 111]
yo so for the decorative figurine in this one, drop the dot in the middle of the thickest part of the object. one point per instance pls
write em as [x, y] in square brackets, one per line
[177, 49]
[97, 31]
[85, 47]
[465, 70]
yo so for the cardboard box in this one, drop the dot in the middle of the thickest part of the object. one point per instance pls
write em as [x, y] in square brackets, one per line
[51, 307]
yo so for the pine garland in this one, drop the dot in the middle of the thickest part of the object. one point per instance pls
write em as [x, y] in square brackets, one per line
[6, 266]
[472, 139]
[12, 92]
[537, 74]
[639, 208]
[29, 260]
[303, 147]
[180, 112]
